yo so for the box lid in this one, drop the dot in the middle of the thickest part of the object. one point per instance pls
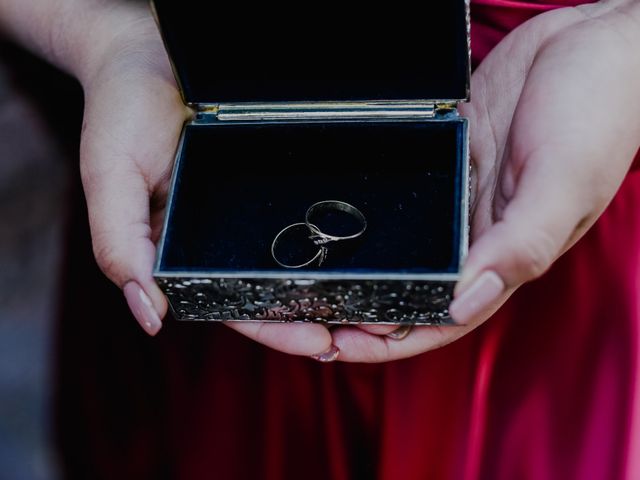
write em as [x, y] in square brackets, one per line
[231, 52]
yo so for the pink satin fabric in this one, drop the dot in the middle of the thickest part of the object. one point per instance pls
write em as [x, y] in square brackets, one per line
[556, 394]
[545, 390]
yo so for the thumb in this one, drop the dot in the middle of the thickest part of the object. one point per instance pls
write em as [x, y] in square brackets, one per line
[118, 205]
[535, 227]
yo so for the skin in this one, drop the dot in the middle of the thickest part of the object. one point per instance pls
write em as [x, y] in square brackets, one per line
[547, 161]
[547, 157]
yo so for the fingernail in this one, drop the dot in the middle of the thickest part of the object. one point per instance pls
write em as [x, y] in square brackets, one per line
[330, 355]
[400, 333]
[142, 308]
[485, 290]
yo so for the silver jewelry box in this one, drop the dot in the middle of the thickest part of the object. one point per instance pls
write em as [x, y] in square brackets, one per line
[336, 105]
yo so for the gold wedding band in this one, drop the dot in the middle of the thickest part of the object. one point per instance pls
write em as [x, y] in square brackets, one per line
[400, 333]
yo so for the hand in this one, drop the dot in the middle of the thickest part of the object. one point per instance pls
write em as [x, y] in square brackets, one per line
[554, 128]
[133, 118]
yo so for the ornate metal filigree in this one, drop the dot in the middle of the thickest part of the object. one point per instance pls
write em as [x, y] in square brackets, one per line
[333, 302]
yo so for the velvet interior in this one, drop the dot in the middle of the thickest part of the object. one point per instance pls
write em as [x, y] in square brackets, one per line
[260, 52]
[238, 185]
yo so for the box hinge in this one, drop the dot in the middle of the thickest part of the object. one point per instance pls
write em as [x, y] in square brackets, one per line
[446, 108]
[321, 111]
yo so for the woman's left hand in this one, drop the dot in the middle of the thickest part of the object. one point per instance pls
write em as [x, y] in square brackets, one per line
[555, 125]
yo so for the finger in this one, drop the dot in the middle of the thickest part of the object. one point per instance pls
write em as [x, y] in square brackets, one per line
[531, 233]
[312, 340]
[358, 346]
[553, 184]
[118, 205]
[129, 132]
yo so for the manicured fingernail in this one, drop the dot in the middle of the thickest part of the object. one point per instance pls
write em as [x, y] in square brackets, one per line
[142, 308]
[330, 355]
[485, 290]
[400, 333]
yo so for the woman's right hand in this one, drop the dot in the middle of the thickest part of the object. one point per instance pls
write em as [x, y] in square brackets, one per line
[132, 123]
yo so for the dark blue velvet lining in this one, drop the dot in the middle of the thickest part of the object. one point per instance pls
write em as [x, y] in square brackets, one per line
[260, 52]
[239, 185]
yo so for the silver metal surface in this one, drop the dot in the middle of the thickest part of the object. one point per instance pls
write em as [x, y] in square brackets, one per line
[325, 110]
[169, 205]
[318, 257]
[306, 276]
[465, 207]
[331, 302]
[319, 237]
[469, 72]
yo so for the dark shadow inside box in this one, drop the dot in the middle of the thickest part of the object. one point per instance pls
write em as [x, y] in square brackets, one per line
[238, 185]
[271, 51]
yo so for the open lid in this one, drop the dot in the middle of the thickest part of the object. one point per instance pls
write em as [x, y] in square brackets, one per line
[231, 52]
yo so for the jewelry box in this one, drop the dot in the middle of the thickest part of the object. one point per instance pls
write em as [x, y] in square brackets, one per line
[324, 176]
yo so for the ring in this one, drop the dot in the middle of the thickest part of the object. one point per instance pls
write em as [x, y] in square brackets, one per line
[320, 256]
[400, 333]
[318, 236]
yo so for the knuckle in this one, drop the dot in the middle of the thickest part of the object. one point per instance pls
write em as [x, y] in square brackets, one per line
[116, 250]
[107, 260]
[535, 255]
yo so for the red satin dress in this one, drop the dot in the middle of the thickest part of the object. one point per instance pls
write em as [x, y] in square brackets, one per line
[547, 389]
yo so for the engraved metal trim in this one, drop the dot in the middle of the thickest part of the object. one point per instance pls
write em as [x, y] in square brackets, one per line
[333, 302]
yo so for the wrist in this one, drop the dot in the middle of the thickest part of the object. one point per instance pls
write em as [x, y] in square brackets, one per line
[92, 33]
[623, 16]
[68, 33]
